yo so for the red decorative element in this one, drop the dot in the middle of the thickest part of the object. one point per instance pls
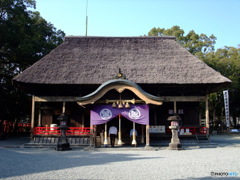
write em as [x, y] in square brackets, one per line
[8, 127]
[203, 130]
[72, 131]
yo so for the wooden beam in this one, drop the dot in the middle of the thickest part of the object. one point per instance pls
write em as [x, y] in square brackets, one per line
[132, 101]
[184, 98]
[76, 98]
[56, 99]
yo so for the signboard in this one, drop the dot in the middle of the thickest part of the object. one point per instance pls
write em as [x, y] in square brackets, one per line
[157, 129]
[226, 105]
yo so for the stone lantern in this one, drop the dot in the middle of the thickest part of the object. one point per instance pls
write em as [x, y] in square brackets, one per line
[63, 144]
[175, 142]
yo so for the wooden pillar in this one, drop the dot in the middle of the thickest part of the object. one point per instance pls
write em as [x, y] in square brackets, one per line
[175, 106]
[147, 136]
[33, 112]
[155, 117]
[134, 142]
[64, 107]
[207, 113]
[105, 143]
[120, 131]
[39, 116]
[142, 139]
[83, 120]
[91, 135]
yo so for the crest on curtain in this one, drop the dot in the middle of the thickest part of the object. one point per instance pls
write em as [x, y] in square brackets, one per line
[103, 113]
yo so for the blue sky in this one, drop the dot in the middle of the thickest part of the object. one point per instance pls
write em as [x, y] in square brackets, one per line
[138, 17]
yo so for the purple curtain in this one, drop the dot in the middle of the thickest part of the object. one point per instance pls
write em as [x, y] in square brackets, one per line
[104, 113]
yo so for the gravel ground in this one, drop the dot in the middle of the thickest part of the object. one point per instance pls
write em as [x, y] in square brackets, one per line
[126, 164]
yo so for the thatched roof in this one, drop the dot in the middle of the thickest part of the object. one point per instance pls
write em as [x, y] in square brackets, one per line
[143, 60]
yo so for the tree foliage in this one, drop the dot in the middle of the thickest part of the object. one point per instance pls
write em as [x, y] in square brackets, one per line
[25, 37]
[193, 42]
[225, 60]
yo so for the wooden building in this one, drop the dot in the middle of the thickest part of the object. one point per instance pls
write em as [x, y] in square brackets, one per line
[85, 72]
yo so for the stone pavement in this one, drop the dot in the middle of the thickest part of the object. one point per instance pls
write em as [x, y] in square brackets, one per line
[109, 163]
[216, 140]
[220, 161]
[226, 140]
[14, 142]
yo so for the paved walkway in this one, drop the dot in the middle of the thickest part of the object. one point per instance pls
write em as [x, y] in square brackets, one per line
[226, 140]
[14, 142]
[221, 162]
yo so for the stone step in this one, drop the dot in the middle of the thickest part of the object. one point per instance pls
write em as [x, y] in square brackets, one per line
[54, 140]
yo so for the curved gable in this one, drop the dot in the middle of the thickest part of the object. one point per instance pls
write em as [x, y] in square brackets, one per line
[120, 85]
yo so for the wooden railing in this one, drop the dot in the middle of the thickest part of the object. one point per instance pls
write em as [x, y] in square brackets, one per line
[72, 131]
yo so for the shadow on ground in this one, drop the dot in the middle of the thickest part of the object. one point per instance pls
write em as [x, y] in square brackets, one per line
[18, 162]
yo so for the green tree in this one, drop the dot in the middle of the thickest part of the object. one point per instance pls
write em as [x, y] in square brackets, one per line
[225, 60]
[193, 42]
[25, 37]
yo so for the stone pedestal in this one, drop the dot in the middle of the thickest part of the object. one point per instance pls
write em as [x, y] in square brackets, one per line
[63, 147]
[63, 144]
[175, 142]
